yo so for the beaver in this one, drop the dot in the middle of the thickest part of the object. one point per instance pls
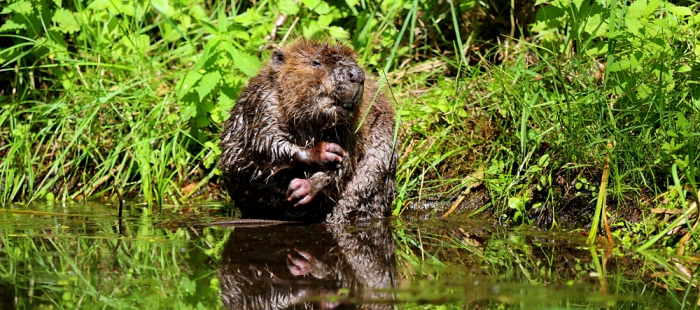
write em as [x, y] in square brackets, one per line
[311, 138]
[318, 267]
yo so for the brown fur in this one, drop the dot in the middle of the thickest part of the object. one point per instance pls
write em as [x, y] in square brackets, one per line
[291, 267]
[291, 139]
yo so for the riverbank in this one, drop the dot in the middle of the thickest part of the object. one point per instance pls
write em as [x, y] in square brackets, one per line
[552, 116]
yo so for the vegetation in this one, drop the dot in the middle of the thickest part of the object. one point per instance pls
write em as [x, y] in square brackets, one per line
[70, 257]
[564, 113]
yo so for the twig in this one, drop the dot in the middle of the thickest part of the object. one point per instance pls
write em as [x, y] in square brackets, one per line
[286, 35]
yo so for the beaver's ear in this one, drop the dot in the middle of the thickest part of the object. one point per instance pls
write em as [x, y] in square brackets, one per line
[277, 58]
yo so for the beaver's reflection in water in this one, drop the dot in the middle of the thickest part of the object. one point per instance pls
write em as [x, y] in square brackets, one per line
[309, 267]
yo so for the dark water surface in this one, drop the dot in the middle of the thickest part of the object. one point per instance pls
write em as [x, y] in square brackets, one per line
[83, 256]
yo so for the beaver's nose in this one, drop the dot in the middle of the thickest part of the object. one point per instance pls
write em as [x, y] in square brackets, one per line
[356, 75]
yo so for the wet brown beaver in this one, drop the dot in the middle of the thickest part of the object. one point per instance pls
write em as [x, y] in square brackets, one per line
[292, 149]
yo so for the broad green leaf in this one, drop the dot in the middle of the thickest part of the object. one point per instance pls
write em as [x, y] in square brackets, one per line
[577, 4]
[187, 112]
[637, 9]
[614, 34]
[318, 6]
[224, 104]
[679, 10]
[682, 121]
[244, 62]
[652, 6]
[223, 22]
[311, 3]
[239, 34]
[325, 20]
[101, 5]
[288, 7]
[201, 121]
[163, 7]
[210, 54]
[11, 25]
[683, 68]
[249, 17]
[322, 8]
[633, 25]
[65, 21]
[206, 106]
[58, 3]
[338, 33]
[311, 29]
[20, 7]
[127, 10]
[224, 101]
[207, 83]
[643, 91]
[188, 82]
[143, 42]
[198, 13]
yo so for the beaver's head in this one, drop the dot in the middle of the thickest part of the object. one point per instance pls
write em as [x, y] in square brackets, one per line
[319, 83]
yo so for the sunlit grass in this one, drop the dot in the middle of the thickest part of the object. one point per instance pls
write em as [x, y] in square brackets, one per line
[97, 104]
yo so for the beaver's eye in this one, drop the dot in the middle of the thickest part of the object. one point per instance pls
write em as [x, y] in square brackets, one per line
[315, 63]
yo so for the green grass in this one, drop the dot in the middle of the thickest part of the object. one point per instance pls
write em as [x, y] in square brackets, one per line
[103, 99]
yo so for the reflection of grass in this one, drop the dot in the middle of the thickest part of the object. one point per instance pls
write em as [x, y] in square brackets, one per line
[455, 263]
[86, 262]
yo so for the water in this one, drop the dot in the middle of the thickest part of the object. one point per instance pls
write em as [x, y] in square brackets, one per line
[83, 256]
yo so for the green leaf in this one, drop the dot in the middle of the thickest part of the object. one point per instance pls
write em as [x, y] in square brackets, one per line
[207, 83]
[163, 7]
[325, 20]
[322, 8]
[637, 9]
[311, 29]
[188, 112]
[201, 121]
[65, 21]
[311, 3]
[206, 106]
[338, 33]
[224, 101]
[634, 24]
[188, 82]
[318, 6]
[682, 122]
[652, 6]
[223, 105]
[199, 13]
[114, 7]
[20, 7]
[683, 68]
[223, 22]
[288, 7]
[187, 285]
[11, 25]
[679, 10]
[244, 62]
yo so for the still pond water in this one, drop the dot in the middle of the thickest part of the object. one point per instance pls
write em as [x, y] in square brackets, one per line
[60, 256]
